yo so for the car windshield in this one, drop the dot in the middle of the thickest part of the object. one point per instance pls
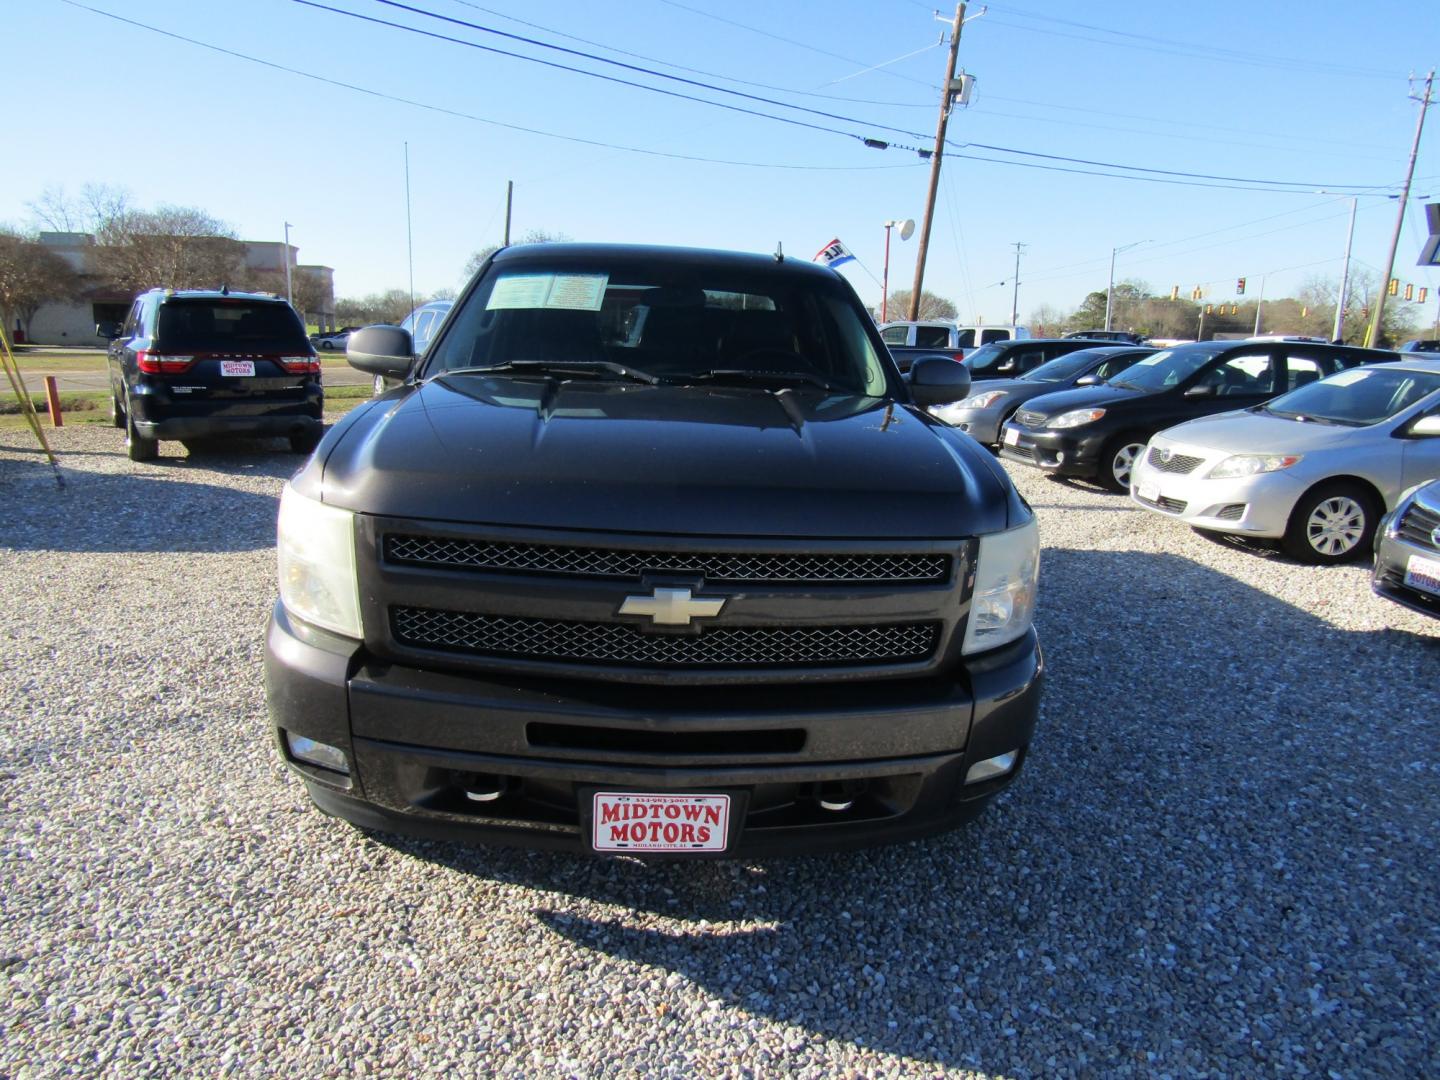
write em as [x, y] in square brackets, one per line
[1163, 369]
[233, 326]
[668, 321]
[1062, 368]
[1358, 397]
[985, 357]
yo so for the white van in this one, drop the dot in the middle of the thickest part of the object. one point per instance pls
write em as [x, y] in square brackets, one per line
[948, 335]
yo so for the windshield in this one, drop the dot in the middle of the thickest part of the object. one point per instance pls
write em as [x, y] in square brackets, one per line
[1062, 368]
[985, 357]
[1357, 397]
[235, 326]
[673, 321]
[1163, 369]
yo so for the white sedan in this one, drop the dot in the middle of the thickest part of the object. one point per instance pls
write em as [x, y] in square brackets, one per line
[1315, 468]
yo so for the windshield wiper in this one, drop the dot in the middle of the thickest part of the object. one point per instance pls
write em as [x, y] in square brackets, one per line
[739, 375]
[595, 369]
[1126, 386]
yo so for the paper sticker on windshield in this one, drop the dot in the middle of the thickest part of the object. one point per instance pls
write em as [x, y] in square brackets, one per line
[1347, 378]
[570, 292]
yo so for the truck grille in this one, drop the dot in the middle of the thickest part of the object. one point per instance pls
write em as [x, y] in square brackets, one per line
[1175, 463]
[592, 562]
[623, 644]
[1418, 524]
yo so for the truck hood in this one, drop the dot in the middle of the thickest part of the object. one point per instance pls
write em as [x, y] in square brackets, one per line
[653, 459]
[1243, 432]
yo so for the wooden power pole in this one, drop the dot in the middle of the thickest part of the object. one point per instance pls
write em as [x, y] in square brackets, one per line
[946, 94]
[1373, 338]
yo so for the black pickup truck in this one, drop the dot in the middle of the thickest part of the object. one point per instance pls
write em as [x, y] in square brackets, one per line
[653, 552]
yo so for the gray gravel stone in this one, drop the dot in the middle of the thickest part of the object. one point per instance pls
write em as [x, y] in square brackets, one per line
[1221, 859]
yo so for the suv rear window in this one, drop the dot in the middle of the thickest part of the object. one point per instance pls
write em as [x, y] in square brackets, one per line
[240, 326]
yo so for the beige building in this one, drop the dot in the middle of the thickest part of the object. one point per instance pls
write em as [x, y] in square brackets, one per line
[73, 321]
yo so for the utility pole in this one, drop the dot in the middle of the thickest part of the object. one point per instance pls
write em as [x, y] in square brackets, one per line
[409, 232]
[1344, 278]
[289, 293]
[509, 202]
[1373, 338]
[1259, 304]
[1015, 295]
[1110, 289]
[939, 152]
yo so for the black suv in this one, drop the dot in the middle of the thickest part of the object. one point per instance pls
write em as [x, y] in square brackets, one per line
[1098, 431]
[198, 364]
[654, 551]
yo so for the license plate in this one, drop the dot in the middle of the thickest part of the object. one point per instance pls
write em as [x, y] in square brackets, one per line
[1423, 574]
[1012, 436]
[1148, 490]
[630, 821]
[237, 367]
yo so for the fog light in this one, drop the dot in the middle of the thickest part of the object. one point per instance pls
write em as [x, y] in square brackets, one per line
[1059, 457]
[317, 753]
[991, 767]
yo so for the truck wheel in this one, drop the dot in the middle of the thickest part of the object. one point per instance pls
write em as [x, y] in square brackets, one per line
[1117, 461]
[1332, 523]
[137, 446]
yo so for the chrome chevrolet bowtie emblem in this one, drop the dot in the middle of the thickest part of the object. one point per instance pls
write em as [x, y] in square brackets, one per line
[671, 607]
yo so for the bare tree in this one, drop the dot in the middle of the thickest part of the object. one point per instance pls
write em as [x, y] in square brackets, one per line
[534, 236]
[30, 275]
[58, 211]
[178, 247]
[931, 306]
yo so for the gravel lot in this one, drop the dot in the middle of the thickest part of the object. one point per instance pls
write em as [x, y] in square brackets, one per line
[1221, 859]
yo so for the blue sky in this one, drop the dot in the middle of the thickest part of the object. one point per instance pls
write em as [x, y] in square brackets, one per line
[1314, 96]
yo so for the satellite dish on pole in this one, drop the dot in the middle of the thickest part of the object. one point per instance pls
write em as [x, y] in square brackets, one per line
[907, 228]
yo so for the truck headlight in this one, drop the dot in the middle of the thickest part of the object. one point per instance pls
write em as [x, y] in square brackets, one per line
[1003, 602]
[1076, 417]
[1252, 465]
[317, 564]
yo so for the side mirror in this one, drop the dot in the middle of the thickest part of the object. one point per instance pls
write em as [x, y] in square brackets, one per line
[1426, 426]
[381, 350]
[1200, 392]
[938, 380]
[107, 330]
[1089, 380]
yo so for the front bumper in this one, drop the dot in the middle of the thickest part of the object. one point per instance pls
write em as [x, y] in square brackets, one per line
[1066, 452]
[416, 741]
[1257, 505]
[1392, 558]
[982, 425]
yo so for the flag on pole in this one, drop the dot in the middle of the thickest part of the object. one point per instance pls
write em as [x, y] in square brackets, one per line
[833, 254]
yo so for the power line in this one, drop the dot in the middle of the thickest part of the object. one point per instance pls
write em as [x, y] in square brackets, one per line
[471, 116]
[598, 59]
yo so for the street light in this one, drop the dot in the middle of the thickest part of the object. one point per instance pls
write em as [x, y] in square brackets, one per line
[289, 294]
[1110, 289]
[907, 230]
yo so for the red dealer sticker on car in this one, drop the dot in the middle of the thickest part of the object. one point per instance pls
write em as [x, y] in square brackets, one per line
[629, 821]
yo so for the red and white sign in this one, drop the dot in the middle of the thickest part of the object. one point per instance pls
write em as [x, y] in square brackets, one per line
[237, 367]
[629, 821]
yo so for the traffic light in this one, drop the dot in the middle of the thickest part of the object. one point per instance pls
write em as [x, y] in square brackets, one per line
[1394, 289]
[1209, 308]
[1424, 292]
[1196, 293]
[1234, 310]
[1409, 292]
[1304, 311]
[1174, 292]
[1240, 287]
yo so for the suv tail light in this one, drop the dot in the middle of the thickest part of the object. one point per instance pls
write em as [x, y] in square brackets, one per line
[300, 365]
[157, 364]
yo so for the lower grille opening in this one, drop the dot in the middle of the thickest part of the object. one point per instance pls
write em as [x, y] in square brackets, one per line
[629, 740]
[1231, 512]
[1174, 506]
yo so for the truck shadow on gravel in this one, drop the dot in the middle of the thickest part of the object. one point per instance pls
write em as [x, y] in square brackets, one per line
[1220, 859]
[172, 505]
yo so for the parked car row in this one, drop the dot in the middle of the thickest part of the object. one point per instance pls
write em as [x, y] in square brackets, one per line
[1330, 451]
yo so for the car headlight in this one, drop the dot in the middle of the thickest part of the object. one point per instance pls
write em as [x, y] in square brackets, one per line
[1002, 605]
[981, 401]
[1075, 417]
[1252, 465]
[317, 563]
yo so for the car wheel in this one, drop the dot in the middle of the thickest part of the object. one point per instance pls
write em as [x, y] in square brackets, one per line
[137, 446]
[304, 444]
[1118, 461]
[117, 414]
[1332, 523]
[327, 346]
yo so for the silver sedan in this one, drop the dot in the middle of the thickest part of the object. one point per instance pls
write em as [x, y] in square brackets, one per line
[1315, 468]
